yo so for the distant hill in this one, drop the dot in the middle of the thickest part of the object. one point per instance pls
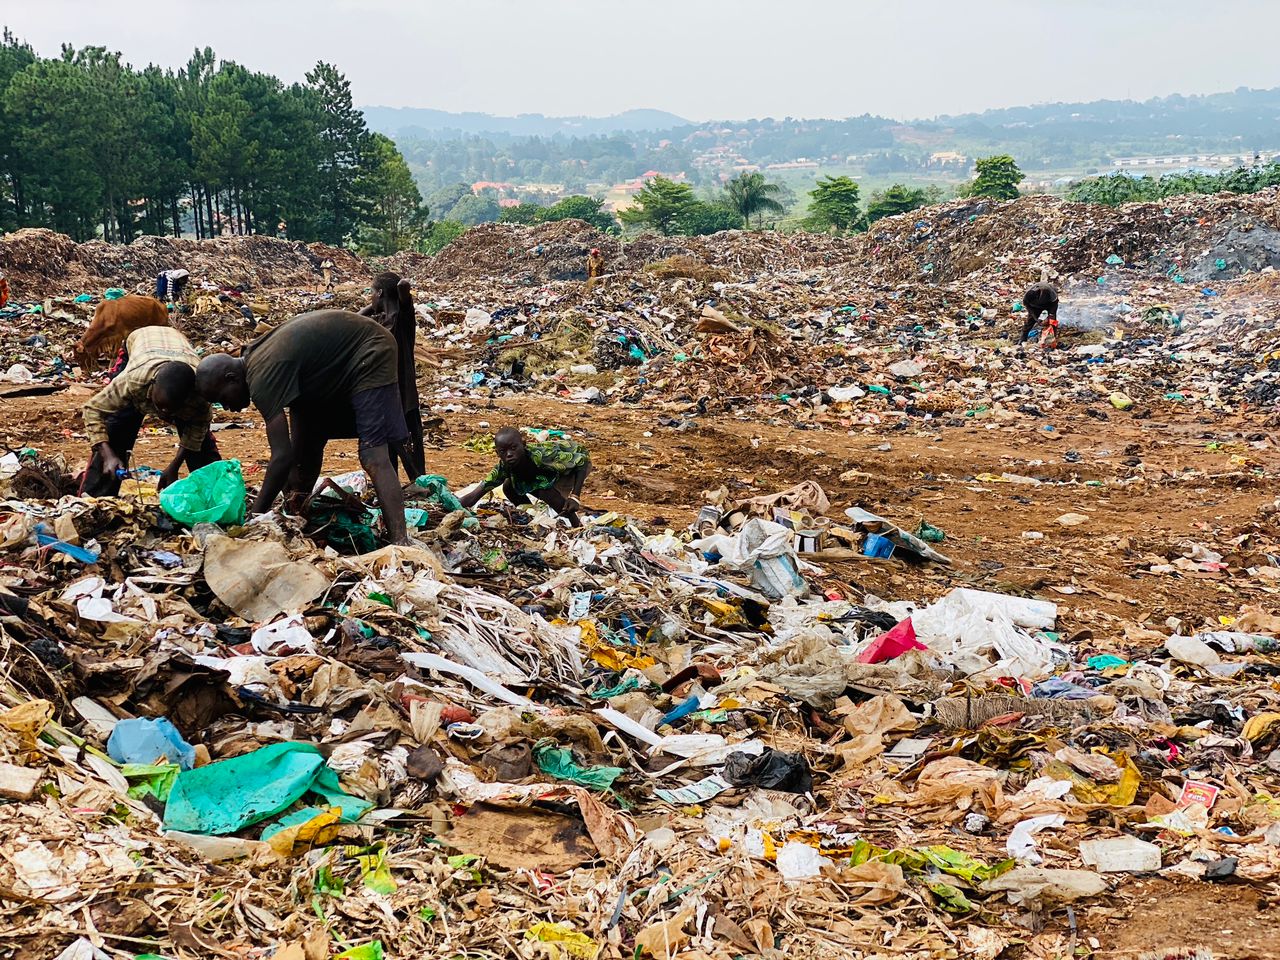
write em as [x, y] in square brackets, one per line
[1051, 142]
[1211, 114]
[403, 122]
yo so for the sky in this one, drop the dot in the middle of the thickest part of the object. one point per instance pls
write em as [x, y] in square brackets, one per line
[700, 59]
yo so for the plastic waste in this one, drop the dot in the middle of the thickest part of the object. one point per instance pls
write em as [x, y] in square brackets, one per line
[1043, 885]
[1021, 844]
[438, 487]
[799, 861]
[845, 394]
[877, 547]
[772, 769]
[212, 494]
[225, 796]
[892, 644]
[979, 632]
[143, 741]
[283, 638]
[558, 762]
[1192, 650]
[766, 549]
[567, 941]
[1120, 855]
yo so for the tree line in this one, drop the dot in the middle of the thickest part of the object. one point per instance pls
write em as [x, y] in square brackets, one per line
[672, 208]
[90, 146]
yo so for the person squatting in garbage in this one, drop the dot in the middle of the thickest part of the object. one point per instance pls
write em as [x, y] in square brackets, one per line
[171, 284]
[318, 377]
[159, 380]
[552, 472]
[392, 307]
[1040, 298]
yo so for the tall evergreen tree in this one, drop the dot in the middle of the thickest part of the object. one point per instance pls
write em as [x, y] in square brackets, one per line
[344, 139]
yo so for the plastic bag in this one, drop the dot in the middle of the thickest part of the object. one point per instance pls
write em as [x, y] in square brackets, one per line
[225, 796]
[773, 770]
[438, 488]
[558, 762]
[763, 548]
[212, 494]
[142, 741]
[980, 632]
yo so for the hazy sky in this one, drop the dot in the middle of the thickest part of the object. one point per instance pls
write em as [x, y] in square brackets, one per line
[702, 59]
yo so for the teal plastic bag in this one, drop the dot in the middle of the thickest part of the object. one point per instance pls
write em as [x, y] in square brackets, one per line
[438, 487]
[212, 494]
[558, 762]
[226, 796]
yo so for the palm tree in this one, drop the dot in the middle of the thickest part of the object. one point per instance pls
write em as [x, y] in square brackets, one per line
[751, 195]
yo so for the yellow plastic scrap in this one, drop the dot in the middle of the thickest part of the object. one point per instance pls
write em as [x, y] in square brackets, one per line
[319, 830]
[1259, 725]
[566, 941]
[28, 719]
[606, 654]
[1119, 794]
[724, 614]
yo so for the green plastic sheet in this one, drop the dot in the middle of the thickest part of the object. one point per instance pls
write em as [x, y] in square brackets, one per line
[212, 494]
[155, 780]
[558, 762]
[438, 488]
[226, 796]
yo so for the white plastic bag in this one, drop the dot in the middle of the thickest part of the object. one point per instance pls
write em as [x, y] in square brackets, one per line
[980, 632]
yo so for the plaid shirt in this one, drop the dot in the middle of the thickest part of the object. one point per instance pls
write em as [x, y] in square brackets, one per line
[551, 460]
[149, 348]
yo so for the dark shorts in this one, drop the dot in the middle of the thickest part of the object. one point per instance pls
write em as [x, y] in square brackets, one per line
[375, 417]
[379, 417]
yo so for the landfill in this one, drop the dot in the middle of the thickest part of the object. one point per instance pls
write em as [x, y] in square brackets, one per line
[885, 635]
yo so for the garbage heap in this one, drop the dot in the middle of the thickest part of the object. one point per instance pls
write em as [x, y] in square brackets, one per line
[41, 263]
[241, 737]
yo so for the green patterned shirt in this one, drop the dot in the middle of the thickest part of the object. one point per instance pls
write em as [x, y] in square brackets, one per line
[551, 460]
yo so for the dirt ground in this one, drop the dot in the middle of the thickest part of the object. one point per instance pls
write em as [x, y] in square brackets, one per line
[1146, 485]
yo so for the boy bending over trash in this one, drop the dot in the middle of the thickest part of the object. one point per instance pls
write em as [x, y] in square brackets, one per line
[158, 381]
[552, 472]
[335, 375]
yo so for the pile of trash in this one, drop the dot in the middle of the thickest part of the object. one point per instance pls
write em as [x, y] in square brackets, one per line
[221, 736]
[40, 263]
[1203, 238]
[525, 255]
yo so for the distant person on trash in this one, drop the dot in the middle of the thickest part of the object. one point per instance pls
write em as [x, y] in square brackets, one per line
[171, 284]
[392, 307]
[1039, 298]
[335, 374]
[159, 380]
[553, 472]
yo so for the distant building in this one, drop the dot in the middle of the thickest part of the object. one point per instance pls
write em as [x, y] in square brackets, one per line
[1204, 160]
